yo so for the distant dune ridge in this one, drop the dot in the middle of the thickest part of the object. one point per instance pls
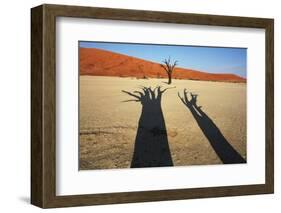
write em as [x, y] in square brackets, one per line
[97, 62]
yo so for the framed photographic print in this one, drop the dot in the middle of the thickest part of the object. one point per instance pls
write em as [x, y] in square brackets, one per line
[136, 106]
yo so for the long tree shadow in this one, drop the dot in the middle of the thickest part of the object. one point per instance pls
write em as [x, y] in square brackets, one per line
[151, 143]
[221, 146]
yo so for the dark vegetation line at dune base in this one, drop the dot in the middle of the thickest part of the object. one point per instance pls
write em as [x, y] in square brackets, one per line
[97, 62]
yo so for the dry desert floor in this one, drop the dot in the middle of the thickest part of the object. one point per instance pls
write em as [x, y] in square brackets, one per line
[109, 121]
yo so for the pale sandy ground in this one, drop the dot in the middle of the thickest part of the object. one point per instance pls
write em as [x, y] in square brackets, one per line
[108, 125]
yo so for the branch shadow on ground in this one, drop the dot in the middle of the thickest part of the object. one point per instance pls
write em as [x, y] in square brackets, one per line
[151, 144]
[221, 146]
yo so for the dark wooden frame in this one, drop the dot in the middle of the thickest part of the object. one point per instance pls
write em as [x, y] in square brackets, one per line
[43, 105]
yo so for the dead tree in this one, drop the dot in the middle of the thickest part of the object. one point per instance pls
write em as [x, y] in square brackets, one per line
[169, 67]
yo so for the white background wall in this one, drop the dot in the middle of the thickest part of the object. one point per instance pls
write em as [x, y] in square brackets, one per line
[15, 105]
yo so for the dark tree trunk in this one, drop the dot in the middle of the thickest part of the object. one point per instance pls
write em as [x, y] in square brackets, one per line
[170, 78]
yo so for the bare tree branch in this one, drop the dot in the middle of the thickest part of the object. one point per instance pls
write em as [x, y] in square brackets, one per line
[165, 68]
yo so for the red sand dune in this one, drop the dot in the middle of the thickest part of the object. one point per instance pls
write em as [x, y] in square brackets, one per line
[99, 62]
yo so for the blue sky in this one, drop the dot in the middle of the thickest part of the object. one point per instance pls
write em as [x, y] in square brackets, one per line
[208, 59]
